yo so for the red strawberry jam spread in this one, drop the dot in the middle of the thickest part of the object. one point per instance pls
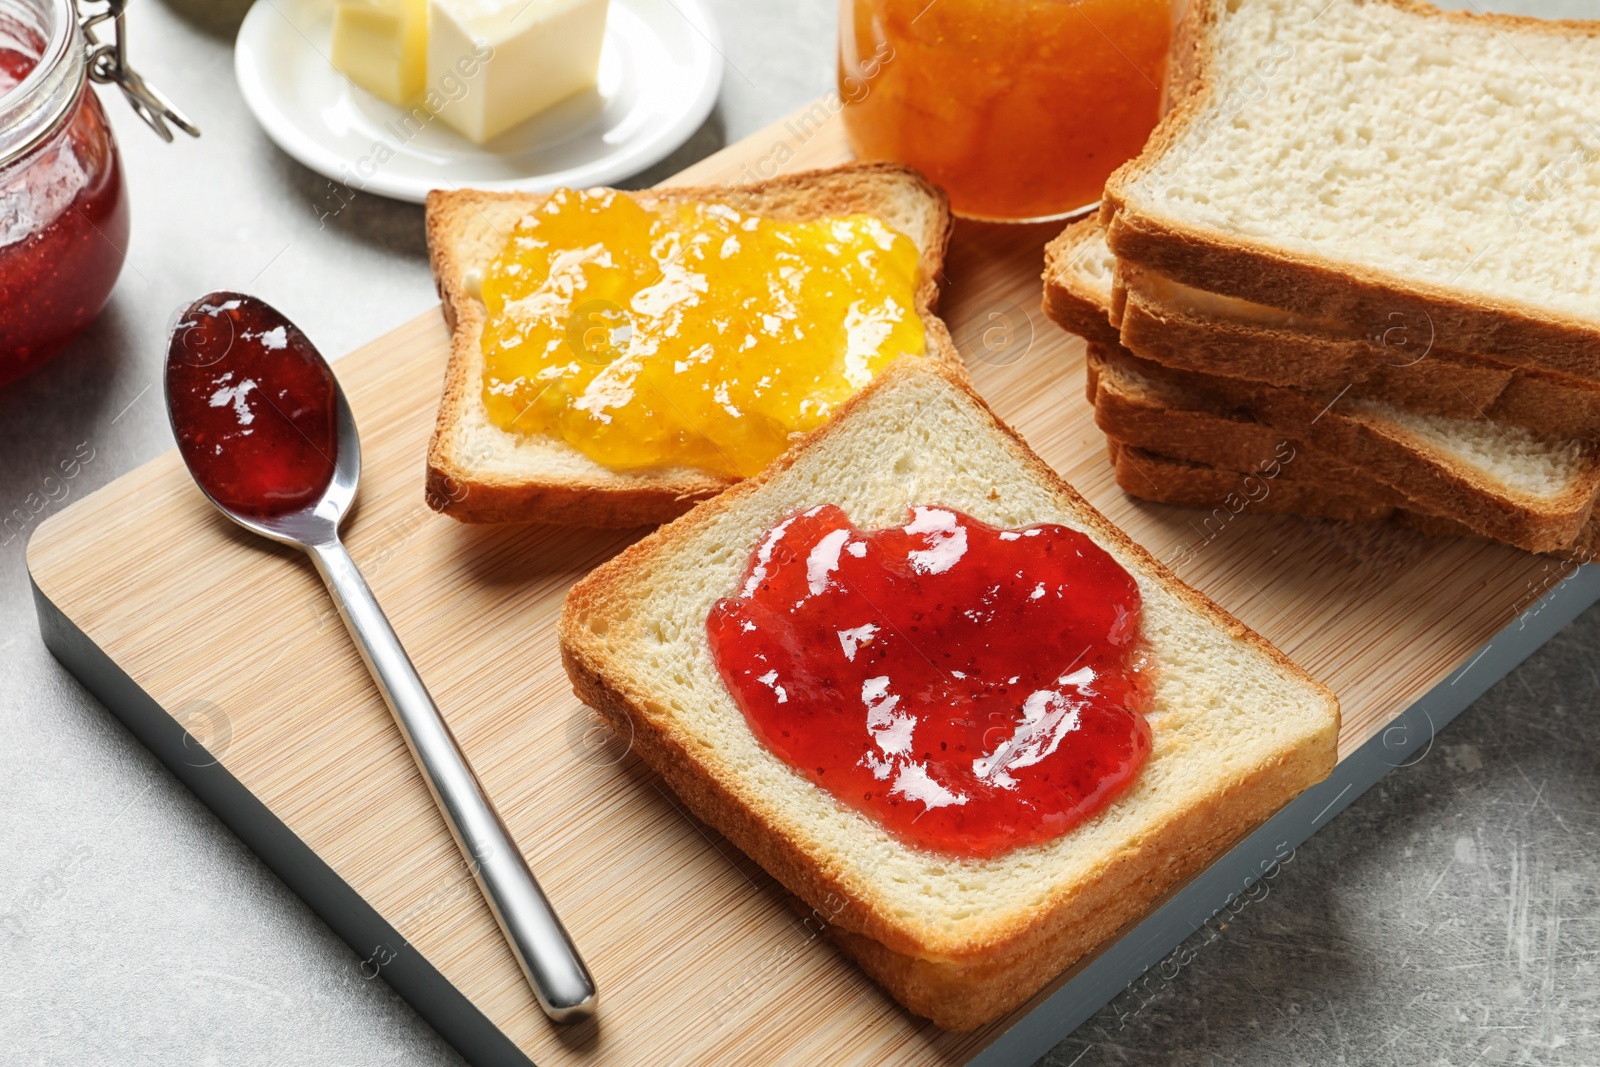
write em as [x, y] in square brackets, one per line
[973, 690]
[252, 405]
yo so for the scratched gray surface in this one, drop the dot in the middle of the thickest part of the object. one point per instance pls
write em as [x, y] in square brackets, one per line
[1450, 917]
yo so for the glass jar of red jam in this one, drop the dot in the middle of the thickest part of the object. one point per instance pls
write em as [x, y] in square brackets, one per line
[63, 207]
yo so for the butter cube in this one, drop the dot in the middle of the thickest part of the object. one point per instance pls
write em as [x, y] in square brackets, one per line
[497, 63]
[382, 46]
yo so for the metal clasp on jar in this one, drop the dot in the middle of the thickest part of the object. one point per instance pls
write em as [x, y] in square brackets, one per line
[108, 65]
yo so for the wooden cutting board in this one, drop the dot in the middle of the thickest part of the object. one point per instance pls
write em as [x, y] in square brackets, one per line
[223, 653]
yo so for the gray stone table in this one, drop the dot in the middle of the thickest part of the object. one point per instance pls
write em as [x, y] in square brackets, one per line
[1451, 916]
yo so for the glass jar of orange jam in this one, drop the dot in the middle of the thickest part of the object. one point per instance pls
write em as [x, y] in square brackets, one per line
[1020, 109]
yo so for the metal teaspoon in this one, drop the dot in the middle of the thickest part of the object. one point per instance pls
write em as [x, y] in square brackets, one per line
[265, 430]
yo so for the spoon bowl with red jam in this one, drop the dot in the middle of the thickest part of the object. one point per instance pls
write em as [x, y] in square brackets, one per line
[260, 420]
[264, 428]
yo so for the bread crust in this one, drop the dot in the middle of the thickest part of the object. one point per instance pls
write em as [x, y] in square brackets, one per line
[1150, 474]
[1260, 272]
[963, 996]
[1030, 941]
[1069, 300]
[467, 228]
[1215, 437]
[1302, 357]
[1193, 458]
[1438, 383]
[1439, 486]
[1167, 479]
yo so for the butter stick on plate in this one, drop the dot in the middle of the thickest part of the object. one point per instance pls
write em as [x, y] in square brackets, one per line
[382, 46]
[500, 62]
[483, 66]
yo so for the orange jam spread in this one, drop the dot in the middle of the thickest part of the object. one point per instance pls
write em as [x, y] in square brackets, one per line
[693, 335]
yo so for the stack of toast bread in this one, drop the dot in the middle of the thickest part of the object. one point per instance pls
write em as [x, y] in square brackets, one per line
[1279, 311]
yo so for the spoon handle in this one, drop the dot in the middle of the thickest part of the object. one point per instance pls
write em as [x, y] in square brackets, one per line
[538, 940]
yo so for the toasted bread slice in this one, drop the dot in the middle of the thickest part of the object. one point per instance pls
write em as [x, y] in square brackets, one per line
[1426, 173]
[1394, 361]
[1238, 729]
[479, 472]
[1205, 457]
[1224, 491]
[1291, 489]
[1502, 481]
[1155, 416]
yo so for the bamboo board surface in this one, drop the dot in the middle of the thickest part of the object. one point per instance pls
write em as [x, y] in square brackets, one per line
[698, 957]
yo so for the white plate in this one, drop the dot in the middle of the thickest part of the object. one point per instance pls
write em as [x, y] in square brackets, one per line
[659, 74]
